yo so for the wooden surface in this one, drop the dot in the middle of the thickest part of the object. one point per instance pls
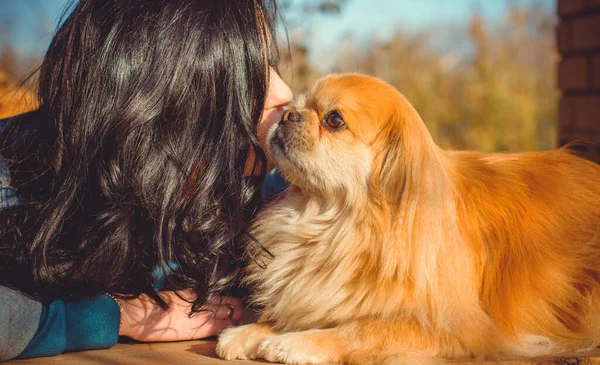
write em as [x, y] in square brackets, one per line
[203, 353]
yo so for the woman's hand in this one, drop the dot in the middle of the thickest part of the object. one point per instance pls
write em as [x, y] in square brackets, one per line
[144, 320]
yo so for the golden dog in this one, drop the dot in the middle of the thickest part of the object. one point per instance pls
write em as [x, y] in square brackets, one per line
[387, 249]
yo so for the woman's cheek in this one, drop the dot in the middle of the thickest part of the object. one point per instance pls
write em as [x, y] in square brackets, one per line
[270, 118]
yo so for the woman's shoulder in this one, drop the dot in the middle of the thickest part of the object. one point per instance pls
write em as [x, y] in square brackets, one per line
[12, 130]
[18, 125]
[8, 194]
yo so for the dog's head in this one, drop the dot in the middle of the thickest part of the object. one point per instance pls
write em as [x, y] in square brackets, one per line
[351, 134]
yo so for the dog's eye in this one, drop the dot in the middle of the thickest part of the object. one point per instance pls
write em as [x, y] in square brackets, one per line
[334, 120]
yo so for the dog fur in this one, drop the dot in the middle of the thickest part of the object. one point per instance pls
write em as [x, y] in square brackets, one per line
[387, 249]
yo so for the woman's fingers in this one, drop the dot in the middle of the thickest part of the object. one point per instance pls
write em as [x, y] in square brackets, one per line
[226, 308]
[217, 315]
[213, 327]
[144, 320]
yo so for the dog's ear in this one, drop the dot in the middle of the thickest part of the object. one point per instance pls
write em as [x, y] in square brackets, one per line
[389, 172]
[405, 158]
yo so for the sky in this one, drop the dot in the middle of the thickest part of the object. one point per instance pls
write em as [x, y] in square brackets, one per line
[362, 19]
[381, 16]
[359, 18]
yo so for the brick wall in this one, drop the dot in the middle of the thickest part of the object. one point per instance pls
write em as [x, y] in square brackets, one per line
[578, 42]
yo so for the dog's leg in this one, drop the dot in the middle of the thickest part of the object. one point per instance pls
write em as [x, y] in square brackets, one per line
[306, 347]
[363, 342]
[242, 342]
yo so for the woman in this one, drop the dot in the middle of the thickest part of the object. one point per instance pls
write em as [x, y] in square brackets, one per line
[138, 160]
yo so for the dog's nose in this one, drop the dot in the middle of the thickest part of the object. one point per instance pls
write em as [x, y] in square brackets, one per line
[292, 116]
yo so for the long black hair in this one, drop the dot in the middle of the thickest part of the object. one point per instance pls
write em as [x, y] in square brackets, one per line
[147, 118]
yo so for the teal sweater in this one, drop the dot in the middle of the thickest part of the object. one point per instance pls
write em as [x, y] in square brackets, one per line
[75, 325]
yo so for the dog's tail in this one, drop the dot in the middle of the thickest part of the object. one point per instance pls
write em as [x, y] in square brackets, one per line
[587, 149]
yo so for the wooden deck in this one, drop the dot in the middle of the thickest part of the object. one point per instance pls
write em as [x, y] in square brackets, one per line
[203, 353]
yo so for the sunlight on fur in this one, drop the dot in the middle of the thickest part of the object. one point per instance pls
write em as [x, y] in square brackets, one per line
[387, 249]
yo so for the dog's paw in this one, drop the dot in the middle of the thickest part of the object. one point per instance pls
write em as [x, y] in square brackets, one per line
[242, 342]
[310, 347]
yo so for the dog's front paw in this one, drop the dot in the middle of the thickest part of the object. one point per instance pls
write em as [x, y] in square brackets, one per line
[309, 347]
[242, 342]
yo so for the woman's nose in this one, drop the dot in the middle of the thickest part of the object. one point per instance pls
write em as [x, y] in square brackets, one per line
[279, 94]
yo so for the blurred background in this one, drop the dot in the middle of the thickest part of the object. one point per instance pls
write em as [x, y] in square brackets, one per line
[482, 73]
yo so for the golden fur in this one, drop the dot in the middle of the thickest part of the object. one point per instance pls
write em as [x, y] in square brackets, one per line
[387, 249]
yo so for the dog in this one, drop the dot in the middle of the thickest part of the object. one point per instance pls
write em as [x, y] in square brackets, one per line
[388, 249]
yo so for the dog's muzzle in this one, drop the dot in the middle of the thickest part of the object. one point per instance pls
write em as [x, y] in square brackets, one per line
[287, 135]
[291, 116]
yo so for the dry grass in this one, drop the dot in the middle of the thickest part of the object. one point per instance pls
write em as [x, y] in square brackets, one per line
[13, 98]
[490, 87]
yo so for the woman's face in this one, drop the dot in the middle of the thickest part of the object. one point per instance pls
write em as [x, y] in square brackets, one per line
[278, 96]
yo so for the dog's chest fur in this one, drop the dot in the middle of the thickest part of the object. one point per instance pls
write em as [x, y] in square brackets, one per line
[315, 278]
